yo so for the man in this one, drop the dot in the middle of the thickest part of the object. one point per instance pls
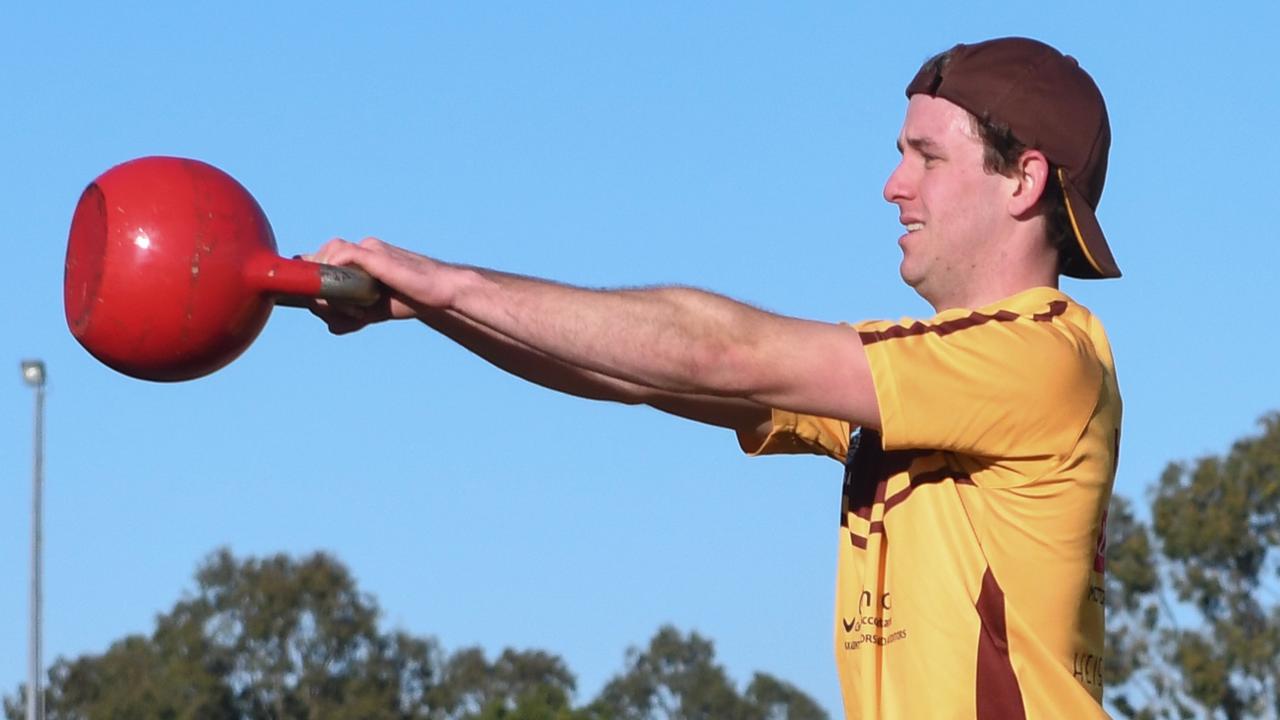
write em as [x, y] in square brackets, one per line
[985, 441]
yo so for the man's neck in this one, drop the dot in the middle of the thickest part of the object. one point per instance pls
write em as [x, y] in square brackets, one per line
[1020, 261]
[991, 290]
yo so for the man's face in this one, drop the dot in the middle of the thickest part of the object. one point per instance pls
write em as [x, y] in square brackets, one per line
[951, 207]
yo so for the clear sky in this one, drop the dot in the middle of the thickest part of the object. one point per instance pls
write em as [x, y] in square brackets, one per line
[737, 146]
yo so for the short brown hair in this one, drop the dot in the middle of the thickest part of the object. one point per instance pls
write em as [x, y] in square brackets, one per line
[1001, 151]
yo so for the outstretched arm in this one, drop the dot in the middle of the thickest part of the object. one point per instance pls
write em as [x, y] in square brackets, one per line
[676, 340]
[749, 420]
[743, 416]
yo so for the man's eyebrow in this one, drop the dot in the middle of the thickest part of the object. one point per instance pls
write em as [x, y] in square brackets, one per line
[921, 144]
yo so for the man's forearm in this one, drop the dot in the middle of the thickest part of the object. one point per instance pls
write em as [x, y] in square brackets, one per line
[525, 362]
[671, 338]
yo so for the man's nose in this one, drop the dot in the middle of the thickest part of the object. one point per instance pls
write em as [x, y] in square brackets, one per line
[896, 188]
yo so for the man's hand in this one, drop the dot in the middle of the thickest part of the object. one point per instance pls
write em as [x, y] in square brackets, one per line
[414, 282]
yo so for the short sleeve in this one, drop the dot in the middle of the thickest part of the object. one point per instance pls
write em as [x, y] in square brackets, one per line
[998, 384]
[794, 434]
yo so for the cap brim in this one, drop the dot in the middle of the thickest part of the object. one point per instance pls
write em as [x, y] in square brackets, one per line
[1095, 260]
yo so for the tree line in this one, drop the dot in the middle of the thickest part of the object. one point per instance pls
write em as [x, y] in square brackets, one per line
[279, 638]
[1193, 631]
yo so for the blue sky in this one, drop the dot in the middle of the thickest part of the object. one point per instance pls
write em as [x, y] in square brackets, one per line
[740, 147]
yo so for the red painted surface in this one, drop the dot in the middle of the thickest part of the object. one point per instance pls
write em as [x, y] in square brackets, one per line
[171, 266]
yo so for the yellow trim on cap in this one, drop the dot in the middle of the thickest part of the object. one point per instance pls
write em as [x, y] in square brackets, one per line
[1066, 200]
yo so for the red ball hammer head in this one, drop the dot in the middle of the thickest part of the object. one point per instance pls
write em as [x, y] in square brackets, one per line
[172, 270]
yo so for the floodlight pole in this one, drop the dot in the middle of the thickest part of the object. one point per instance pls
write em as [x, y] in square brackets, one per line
[34, 376]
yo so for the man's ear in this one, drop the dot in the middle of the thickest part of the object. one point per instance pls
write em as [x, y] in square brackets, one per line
[1032, 182]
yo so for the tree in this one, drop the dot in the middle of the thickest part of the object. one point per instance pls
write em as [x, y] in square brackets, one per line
[285, 639]
[676, 678]
[530, 685]
[1193, 609]
[282, 639]
[270, 638]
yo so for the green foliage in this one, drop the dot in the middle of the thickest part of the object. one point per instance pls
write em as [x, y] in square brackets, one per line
[517, 686]
[775, 699]
[676, 678]
[1193, 612]
[284, 639]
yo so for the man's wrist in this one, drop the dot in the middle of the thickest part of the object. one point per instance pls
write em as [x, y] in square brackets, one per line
[467, 288]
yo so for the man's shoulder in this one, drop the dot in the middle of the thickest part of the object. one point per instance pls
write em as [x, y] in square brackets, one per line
[1036, 309]
[1021, 376]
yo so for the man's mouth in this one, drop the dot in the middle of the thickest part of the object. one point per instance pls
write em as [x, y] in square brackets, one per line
[912, 227]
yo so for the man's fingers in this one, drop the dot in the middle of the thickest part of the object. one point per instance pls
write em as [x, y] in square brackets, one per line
[340, 318]
[343, 326]
[383, 262]
[333, 252]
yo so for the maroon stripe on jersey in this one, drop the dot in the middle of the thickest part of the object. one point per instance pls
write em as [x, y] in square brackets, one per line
[999, 695]
[1056, 308]
[860, 541]
[926, 478]
[877, 526]
[867, 477]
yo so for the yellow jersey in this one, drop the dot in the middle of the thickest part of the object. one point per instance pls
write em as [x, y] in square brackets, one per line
[969, 580]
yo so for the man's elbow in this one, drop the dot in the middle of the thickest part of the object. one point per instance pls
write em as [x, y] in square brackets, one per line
[723, 370]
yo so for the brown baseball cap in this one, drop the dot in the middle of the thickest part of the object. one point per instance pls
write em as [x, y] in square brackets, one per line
[1049, 103]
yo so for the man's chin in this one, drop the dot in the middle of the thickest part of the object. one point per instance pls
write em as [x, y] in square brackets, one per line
[911, 276]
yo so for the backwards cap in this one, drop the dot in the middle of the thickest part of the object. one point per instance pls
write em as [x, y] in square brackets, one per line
[1049, 103]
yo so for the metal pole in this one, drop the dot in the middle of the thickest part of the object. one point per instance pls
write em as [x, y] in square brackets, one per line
[33, 374]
